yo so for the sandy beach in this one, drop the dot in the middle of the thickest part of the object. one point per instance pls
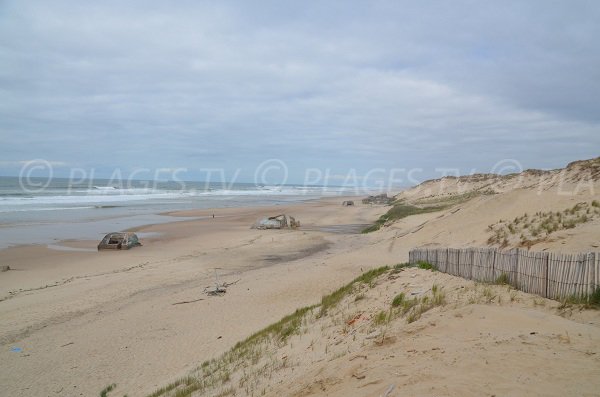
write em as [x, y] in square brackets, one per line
[87, 319]
[74, 322]
[249, 199]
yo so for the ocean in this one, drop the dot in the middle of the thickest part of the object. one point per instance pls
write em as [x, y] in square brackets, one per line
[40, 211]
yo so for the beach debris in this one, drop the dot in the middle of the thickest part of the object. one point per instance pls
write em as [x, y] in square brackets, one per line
[119, 241]
[378, 199]
[281, 221]
[16, 349]
[347, 203]
[219, 288]
[183, 302]
[4, 268]
[389, 390]
[67, 344]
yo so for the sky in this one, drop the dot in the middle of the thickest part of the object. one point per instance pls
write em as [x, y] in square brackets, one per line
[326, 88]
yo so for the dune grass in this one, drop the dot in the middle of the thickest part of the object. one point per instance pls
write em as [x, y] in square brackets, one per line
[426, 266]
[591, 301]
[399, 211]
[107, 389]
[527, 230]
[336, 296]
[217, 376]
[413, 308]
[502, 279]
[455, 199]
[398, 299]
[217, 372]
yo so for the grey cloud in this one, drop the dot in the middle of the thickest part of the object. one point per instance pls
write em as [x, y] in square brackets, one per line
[339, 85]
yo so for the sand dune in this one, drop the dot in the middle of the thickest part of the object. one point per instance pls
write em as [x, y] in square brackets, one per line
[500, 342]
[84, 320]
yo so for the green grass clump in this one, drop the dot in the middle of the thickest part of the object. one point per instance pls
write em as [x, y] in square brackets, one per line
[373, 228]
[398, 299]
[594, 298]
[425, 304]
[426, 266]
[438, 298]
[399, 211]
[279, 330]
[455, 199]
[107, 389]
[336, 296]
[371, 275]
[380, 318]
[414, 308]
[399, 267]
[591, 301]
[408, 304]
[502, 279]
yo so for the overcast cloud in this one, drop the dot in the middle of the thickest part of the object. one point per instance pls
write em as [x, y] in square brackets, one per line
[336, 85]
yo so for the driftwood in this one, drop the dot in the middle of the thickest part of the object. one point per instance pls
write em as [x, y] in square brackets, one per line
[192, 301]
[218, 289]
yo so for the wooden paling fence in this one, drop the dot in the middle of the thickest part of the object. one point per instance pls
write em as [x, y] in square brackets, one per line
[548, 274]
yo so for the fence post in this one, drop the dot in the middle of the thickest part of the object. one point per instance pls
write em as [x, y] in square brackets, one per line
[517, 268]
[494, 264]
[593, 275]
[472, 262]
[546, 274]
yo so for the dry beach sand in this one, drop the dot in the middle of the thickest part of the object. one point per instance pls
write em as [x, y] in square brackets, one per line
[82, 320]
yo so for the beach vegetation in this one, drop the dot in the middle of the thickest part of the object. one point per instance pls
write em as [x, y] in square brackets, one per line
[217, 375]
[399, 211]
[380, 318]
[397, 268]
[586, 301]
[526, 231]
[454, 199]
[426, 266]
[414, 308]
[218, 372]
[336, 296]
[502, 279]
[398, 300]
[107, 389]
